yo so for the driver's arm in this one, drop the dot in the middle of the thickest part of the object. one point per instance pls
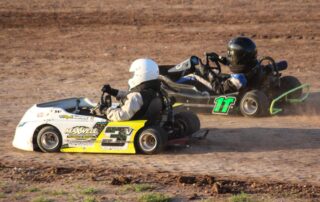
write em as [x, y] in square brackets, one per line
[235, 83]
[121, 94]
[132, 104]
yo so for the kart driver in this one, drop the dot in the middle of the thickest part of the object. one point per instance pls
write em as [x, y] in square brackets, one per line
[144, 86]
[241, 59]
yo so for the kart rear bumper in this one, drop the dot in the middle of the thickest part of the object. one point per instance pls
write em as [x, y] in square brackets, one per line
[274, 110]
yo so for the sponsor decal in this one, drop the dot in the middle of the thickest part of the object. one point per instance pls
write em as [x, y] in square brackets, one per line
[66, 116]
[79, 143]
[77, 117]
[82, 132]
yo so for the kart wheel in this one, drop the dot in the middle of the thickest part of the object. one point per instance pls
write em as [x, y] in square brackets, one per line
[151, 140]
[254, 104]
[290, 82]
[49, 139]
[186, 123]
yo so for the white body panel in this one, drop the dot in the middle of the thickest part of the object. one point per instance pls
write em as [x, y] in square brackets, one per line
[55, 114]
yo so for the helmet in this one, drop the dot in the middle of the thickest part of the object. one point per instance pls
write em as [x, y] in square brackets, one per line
[242, 54]
[143, 70]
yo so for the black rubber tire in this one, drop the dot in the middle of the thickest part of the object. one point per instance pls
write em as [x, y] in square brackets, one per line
[158, 134]
[290, 82]
[56, 136]
[189, 121]
[260, 104]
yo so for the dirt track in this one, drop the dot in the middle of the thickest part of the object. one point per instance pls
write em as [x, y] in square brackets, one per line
[52, 50]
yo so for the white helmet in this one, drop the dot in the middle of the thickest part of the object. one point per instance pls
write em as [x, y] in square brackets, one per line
[144, 70]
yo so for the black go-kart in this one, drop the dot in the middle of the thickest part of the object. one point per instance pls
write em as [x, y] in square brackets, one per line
[266, 93]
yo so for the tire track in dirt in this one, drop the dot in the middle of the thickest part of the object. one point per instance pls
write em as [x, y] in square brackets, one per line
[140, 17]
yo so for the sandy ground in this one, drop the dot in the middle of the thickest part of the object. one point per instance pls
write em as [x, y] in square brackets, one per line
[57, 49]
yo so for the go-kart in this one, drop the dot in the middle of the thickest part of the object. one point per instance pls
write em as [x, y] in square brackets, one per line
[71, 125]
[266, 93]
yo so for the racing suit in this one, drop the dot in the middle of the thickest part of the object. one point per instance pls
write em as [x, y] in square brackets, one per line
[134, 104]
[214, 83]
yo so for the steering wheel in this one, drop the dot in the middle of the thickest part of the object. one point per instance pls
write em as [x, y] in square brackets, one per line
[105, 102]
[213, 57]
[274, 68]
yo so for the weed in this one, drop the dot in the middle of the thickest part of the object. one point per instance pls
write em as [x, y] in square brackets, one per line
[19, 196]
[90, 199]
[3, 184]
[206, 200]
[33, 189]
[243, 197]
[42, 199]
[90, 191]
[59, 192]
[154, 197]
[2, 195]
[138, 187]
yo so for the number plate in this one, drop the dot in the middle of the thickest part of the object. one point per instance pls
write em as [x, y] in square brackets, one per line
[223, 104]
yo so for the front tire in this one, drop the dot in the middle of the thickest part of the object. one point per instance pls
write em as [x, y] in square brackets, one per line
[49, 139]
[151, 140]
[254, 104]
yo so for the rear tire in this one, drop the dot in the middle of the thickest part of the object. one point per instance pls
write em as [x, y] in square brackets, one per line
[187, 122]
[290, 82]
[49, 139]
[151, 140]
[254, 104]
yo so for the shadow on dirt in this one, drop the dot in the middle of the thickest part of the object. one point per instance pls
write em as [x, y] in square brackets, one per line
[259, 139]
[253, 140]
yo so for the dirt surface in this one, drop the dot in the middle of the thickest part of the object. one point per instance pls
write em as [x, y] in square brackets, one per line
[57, 49]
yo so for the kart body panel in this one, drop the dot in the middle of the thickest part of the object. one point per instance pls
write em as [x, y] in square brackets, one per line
[79, 132]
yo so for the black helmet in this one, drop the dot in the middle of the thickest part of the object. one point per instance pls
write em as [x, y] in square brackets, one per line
[242, 54]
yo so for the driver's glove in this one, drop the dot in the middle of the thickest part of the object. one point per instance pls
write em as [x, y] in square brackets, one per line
[111, 91]
[213, 56]
[223, 60]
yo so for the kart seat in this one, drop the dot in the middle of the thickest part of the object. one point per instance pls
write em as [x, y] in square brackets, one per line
[154, 111]
[178, 87]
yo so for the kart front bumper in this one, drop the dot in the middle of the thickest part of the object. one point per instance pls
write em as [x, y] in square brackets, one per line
[23, 136]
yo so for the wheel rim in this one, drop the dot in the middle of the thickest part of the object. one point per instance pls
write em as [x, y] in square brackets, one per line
[49, 140]
[148, 142]
[250, 106]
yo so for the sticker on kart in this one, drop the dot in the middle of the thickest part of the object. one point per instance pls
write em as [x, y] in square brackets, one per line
[116, 136]
[82, 132]
[223, 104]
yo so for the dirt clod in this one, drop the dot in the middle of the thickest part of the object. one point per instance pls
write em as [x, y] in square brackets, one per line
[121, 180]
[62, 170]
[216, 188]
[206, 180]
[187, 179]
[193, 196]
